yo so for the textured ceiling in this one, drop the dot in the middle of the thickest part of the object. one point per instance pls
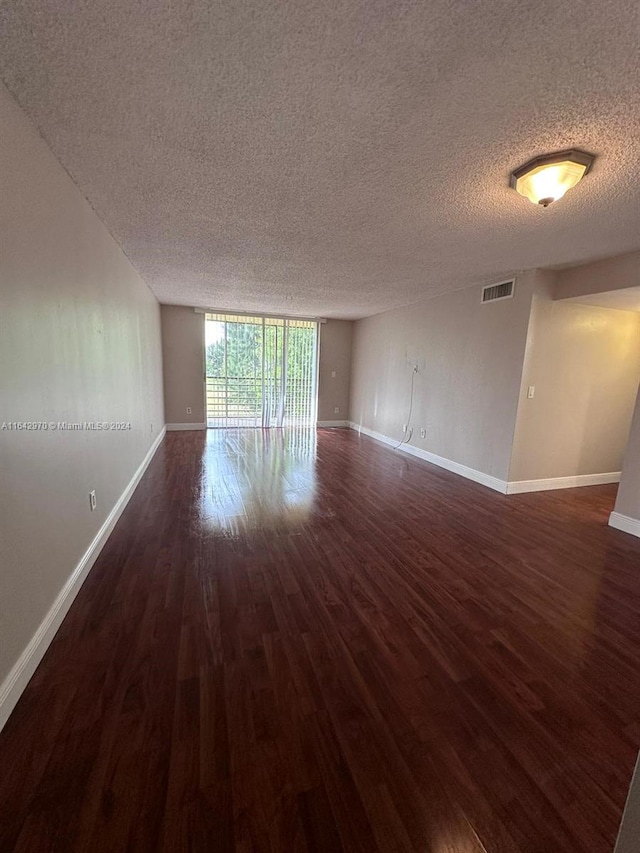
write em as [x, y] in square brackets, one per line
[340, 157]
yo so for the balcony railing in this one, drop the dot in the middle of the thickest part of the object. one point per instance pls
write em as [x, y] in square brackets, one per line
[247, 401]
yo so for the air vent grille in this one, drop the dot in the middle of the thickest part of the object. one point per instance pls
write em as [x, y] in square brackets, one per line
[504, 290]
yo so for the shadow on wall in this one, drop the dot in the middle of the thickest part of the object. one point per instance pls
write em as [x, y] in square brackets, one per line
[597, 433]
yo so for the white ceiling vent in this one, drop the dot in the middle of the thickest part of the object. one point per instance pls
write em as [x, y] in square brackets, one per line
[504, 290]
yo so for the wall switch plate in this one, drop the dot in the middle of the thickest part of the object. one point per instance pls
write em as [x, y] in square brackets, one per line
[531, 392]
[423, 433]
[336, 410]
[188, 410]
[333, 374]
[92, 500]
[404, 427]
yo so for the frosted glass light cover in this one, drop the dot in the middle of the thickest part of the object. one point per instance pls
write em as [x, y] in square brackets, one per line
[550, 182]
[547, 179]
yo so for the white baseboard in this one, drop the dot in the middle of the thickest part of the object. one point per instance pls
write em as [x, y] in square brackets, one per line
[24, 668]
[330, 424]
[178, 427]
[511, 488]
[625, 523]
[517, 487]
[448, 464]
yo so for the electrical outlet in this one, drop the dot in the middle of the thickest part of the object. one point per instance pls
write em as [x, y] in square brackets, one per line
[92, 500]
[423, 433]
[333, 374]
[415, 368]
[336, 410]
[188, 410]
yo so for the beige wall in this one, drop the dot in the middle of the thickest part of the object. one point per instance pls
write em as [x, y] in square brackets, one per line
[584, 363]
[612, 274]
[601, 276]
[629, 836]
[469, 358]
[335, 358]
[79, 341]
[183, 360]
[628, 500]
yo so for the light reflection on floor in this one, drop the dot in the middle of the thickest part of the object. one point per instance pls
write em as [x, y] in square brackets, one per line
[257, 479]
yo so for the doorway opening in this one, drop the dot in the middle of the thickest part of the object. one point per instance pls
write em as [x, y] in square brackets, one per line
[260, 371]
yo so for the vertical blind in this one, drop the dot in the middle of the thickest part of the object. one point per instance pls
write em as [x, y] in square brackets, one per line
[260, 371]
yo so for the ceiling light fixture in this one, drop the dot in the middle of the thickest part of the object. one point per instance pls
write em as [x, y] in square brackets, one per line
[546, 179]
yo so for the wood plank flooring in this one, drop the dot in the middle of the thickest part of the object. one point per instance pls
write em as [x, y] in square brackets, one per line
[293, 643]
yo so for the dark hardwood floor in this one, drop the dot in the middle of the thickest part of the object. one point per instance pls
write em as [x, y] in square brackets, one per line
[291, 647]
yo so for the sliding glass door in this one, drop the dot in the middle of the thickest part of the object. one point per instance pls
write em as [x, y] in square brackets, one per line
[260, 371]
